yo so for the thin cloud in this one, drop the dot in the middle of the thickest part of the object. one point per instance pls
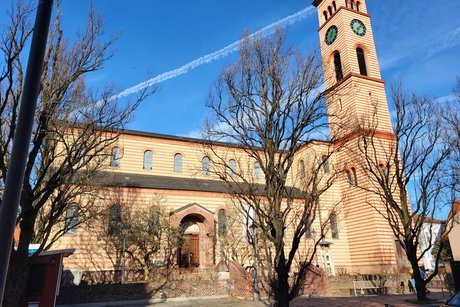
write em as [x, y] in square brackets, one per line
[428, 50]
[216, 55]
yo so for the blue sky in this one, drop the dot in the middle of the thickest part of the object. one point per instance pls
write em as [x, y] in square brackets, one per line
[417, 42]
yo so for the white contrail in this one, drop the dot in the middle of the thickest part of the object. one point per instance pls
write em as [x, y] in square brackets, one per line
[270, 29]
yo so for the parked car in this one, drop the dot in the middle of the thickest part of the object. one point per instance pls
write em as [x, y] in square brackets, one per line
[454, 300]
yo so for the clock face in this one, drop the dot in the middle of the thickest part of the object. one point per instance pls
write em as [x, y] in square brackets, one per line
[358, 27]
[331, 35]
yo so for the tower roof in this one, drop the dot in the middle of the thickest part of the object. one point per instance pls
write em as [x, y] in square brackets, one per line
[316, 2]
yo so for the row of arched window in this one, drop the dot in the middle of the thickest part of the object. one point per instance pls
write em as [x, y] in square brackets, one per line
[352, 178]
[324, 162]
[309, 233]
[115, 222]
[331, 9]
[353, 5]
[360, 54]
[205, 163]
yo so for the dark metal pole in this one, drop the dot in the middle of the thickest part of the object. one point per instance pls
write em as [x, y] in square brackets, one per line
[17, 165]
[255, 280]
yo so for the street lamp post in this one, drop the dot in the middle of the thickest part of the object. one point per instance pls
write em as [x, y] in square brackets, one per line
[123, 261]
[19, 152]
[256, 290]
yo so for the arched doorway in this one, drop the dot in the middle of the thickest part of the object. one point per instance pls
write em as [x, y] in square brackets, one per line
[189, 249]
[196, 248]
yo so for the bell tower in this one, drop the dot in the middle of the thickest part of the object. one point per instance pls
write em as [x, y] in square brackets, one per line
[351, 68]
[356, 102]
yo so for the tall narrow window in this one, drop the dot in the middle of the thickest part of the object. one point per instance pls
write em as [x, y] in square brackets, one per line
[338, 66]
[308, 231]
[178, 163]
[352, 4]
[232, 167]
[80, 153]
[334, 227]
[351, 177]
[115, 157]
[257, 170]
[325, 162]
[71, 219]
[383, 170]
[357, 6]
[154, 221]
[361, 61]
[114, 220]
[347, 3]
[330, 10]
[222, 223]
[205, 165]
[148, 158]
[248, 221]
[302, 169]
[334, 5]
[325, 15]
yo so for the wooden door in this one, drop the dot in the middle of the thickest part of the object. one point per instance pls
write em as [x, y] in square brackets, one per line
[190, 252]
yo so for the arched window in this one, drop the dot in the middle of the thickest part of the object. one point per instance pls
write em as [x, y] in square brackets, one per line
[114, 220]
[115, 157]
[302, 169]
[222, 223]
[330, 10]
[148, 157]
[257, 170]
[71, 219]
[80, 153]
[325, 162]
[347, 3]
[205, 165]
[308, 231]
[154, 221]
[178, 163]
[334, 5]
[351, 177]
[357, 6]
[338, 66]
[248, 222]
[384, 170]
[334, 226]
[232, 167]
[352, 4]
[361, 61]
[325, 15]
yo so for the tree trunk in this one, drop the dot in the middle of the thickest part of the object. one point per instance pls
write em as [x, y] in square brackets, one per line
[419, 282]
[281, 286]
[18, 273]
[20, 263]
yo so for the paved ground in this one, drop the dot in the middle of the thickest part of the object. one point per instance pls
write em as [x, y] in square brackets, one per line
[365, 301]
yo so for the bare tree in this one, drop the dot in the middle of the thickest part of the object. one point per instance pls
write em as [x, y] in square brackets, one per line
[73, 131]
[144, 235]
[270, 104]
[407, 174]
[451, 117]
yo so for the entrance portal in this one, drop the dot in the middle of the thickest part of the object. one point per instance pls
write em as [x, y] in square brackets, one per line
[190, 251]
[196, 248]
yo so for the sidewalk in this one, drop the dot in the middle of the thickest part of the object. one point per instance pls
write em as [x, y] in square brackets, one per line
[360, 301]
[364, 301]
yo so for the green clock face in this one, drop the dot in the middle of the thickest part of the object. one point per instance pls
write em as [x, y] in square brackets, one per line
[358, 27]
[331, 35]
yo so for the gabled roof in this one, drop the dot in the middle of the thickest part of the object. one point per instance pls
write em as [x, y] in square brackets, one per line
[430, 220]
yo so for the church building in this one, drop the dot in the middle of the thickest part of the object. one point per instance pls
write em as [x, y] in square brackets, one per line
[177, 169]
